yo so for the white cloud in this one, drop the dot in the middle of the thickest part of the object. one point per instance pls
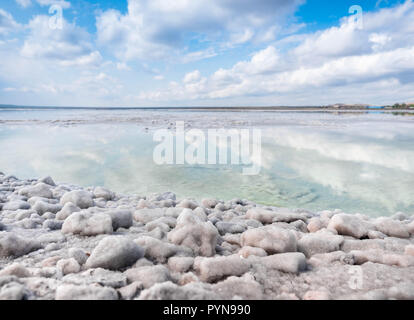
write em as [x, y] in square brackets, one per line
[152, 28]
[334, 60]
[62, 3]
[68, 46]
[24, 3]
[7, 23]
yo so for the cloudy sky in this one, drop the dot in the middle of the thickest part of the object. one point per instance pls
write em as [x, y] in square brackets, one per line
[205, 52]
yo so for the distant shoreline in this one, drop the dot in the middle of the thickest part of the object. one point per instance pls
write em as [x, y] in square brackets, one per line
[235, 109]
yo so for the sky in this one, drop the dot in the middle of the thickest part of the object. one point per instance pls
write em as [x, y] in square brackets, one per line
[144, 53]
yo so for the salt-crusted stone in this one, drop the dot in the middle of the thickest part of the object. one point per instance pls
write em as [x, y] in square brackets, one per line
[247, 251]
[67, 210]
[392, 228]
[121, 218]
[160, 251]
[217, 268]
[79, 198]
[16, 205]
[192, 232]
[39, 190]
[148, 276]
[272, 239]
[42, 207]
[106, 194]
[12, 245]
[48, 180]
[409, 250]
[115, 252]
[171, 291]
[74, 292]
[349, 225]
[15, 269]
[87, 224]
[78, 254]
[319, 243]
[67, 266]
[180, 264]
[292, 262]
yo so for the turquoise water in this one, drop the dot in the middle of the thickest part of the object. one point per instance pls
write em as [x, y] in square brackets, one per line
[355, 162]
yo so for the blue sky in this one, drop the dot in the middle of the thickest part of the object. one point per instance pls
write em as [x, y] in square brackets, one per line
[206, 52]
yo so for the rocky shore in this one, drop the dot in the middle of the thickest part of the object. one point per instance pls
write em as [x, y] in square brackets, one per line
[66, 242]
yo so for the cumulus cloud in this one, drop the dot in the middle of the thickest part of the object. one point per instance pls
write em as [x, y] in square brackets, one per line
[338, 57]
[69, 46]
[24, 3]
[7, 23]
[152, 28]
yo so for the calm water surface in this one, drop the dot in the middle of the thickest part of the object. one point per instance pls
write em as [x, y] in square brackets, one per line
[356, 162]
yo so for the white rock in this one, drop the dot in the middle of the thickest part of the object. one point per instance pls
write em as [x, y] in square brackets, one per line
[148, 276]
[67, 266]
[217, 268]
[106, 194]
[272, 239]
[114, 252]
[15, 269]
[67, 210]
[79, 255]
[319, 243]
[88, 224]
[16, 205]
[121, 218]
[74, 292]
[392, 228]
[12, 245]
[79, 198]
[349, 225]
[42, 207]
[192, 232]
[48, 180]
[180, 264]
[39, 190]
[292, 262]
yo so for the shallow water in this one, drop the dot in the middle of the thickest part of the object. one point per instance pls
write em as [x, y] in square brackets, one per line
[357, 162]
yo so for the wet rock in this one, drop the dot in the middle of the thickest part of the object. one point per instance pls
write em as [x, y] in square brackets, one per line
[115, 252]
